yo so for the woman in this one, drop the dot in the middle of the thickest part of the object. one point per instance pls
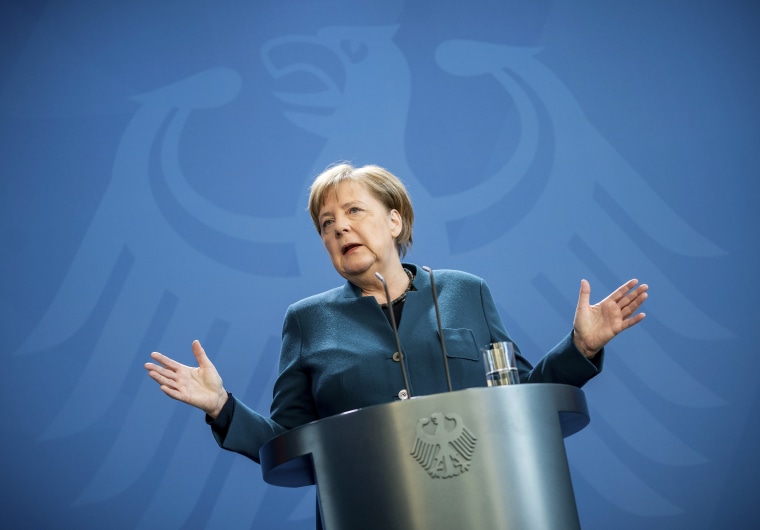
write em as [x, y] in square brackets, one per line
[338, 347]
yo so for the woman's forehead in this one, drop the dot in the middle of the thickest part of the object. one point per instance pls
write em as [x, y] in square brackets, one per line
[345, 191]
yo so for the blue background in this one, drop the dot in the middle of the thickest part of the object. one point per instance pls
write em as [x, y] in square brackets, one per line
[155, 163]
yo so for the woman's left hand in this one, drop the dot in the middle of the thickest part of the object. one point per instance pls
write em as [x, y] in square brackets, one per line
[595, 325]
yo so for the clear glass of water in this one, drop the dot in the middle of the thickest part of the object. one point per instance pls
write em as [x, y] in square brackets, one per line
[501, 368]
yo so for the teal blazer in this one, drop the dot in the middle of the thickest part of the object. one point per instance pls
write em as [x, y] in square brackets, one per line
[338, 355]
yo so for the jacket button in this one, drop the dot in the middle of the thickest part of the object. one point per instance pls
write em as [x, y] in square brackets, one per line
[402, 394]
[396, 357]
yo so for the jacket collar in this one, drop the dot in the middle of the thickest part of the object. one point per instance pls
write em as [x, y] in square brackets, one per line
[421, 282]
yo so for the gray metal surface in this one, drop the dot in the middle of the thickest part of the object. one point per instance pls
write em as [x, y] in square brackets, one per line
[475, 458]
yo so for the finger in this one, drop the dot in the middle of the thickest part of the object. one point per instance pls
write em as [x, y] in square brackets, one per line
[621, 292]
[585, 294]
[152, 367]
[640, 298]
[164, 381]
[634, 299]
[163, 375]
[171, 392]
[167, 362]
[200, 354]
[627, 323]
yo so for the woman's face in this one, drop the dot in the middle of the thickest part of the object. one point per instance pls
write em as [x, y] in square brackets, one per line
[358, 231]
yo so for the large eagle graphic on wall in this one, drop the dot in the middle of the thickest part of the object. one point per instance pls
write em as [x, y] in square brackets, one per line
[183, 267]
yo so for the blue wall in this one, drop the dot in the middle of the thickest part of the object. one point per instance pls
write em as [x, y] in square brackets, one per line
[155, 162]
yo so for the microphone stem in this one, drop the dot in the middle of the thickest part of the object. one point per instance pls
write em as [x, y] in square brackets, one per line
[401, 356]
[440, 328]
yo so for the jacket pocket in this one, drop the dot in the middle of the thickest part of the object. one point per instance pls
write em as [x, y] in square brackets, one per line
[460, 344]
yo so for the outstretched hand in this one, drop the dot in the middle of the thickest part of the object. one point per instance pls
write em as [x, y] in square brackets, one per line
[200, 387]
[595, 325]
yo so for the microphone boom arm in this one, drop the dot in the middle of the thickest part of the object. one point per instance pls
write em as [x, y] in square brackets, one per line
[440, 328]
[401, 356]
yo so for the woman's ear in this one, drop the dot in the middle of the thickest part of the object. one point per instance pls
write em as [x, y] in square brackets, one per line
[396, 222]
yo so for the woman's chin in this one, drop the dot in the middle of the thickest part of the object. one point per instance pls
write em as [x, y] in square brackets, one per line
[356, 266]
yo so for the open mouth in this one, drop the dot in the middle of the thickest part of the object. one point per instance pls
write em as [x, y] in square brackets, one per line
[348, 248]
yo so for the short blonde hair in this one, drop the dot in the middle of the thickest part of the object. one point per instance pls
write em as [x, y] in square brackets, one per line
[384, 186]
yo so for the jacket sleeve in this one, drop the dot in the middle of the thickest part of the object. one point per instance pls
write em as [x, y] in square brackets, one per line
[244, 431]
[563, 364]
[566, 364]
[293, 402]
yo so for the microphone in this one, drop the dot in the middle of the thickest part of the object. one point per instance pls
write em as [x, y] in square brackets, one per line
[440, 329]
[401, 356]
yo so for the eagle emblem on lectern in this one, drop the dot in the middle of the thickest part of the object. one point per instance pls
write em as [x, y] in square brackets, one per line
[444, 446]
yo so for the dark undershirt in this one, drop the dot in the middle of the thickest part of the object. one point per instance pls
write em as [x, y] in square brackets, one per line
[398, 307]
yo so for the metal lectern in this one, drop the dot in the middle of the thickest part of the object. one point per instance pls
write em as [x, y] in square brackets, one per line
[475, 458]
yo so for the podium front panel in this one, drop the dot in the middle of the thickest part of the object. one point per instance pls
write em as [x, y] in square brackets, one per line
[475, 458]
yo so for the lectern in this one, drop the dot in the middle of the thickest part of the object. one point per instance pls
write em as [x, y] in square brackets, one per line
[475, 458]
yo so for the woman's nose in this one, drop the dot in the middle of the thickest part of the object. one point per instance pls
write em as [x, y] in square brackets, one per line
[341, 226]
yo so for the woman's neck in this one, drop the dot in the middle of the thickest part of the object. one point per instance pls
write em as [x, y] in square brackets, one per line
[398, 281]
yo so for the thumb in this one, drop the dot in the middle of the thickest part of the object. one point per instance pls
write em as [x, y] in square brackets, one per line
[200, 354]
[585, 294]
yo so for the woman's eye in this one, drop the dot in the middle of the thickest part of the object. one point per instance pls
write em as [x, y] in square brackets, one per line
[355, 209]
[326, 223]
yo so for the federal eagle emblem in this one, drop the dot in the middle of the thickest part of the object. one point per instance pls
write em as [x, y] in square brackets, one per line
[444, 446]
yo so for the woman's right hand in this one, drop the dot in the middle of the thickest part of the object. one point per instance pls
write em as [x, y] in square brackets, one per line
[200, 387]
